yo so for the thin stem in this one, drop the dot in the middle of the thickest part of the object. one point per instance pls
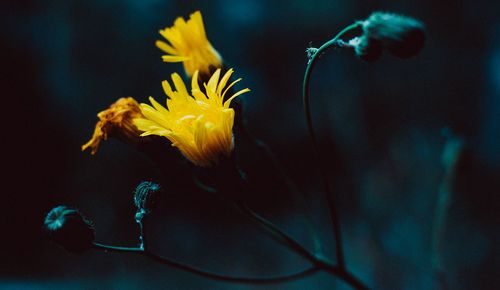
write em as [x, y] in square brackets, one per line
[318, 263]
[110, 248]
[451, 153]
[345, 276]
[208, 274]
[292, 187]
[277, 233]
[226, 278]
[334, 217]
[293, 245]
[138, 219]
[240, 125]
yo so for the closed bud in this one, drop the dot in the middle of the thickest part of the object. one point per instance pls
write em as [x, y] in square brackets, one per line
[402, 36]
[145, 196]
[70, 229]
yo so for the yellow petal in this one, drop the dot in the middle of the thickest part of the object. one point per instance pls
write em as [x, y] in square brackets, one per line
[224, 80]
[228, 102]
[158, 107]
[198, 20]
[165, 47]
[174, 58]
[194, 82]
[230, 86]
[167, 88]
[179, 84]
[153, 115]
[212, 83]
[200, 132]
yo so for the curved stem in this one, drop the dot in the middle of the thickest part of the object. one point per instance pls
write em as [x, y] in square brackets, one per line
[208, 274]
[110, 248]
[226, 278]
[307, 110]
[277, 233]
[318, 262]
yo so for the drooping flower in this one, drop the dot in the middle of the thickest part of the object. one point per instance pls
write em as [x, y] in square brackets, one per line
[117, 121]
[401, 36]
[188, 44]
[200, 124]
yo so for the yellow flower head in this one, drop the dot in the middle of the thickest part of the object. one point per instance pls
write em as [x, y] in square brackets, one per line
[189, 44]
[117, 120]
[200, 124]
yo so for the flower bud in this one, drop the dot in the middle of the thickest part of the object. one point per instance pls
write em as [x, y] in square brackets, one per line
[145, 196]
[402, 36]
[70, 229]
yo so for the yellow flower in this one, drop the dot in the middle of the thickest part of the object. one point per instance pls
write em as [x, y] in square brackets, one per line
[200, 124]
[116, 121]
[189, 44]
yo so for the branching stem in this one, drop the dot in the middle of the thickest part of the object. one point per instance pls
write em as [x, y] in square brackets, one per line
[318, 262]
[204, 273]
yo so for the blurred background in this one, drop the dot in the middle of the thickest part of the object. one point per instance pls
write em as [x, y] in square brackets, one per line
[380, 128]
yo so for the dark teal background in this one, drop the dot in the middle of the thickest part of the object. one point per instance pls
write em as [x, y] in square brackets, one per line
[379, 126]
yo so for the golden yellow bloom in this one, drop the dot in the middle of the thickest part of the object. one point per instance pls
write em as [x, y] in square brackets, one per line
[117, 121]
[200, 124]
[189, 44]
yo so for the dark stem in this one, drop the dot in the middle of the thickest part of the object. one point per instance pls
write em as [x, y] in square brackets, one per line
[282, 237]
[292, 187]
[143, 249]
[276, 233]
[334, 217]
[344, 275]
[208, 274]
[300, 197]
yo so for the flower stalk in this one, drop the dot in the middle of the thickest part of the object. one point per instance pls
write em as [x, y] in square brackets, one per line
[200, 123]
[317, 263]
[334, 217]
[317, 260]
[205, 273]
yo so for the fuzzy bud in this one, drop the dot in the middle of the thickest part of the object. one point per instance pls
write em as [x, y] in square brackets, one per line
[402, 36]
[70, 229]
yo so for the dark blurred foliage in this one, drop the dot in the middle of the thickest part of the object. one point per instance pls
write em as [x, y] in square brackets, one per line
[379, 127]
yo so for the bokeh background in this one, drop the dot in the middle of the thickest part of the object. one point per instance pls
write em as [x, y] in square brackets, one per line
[380, 128]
